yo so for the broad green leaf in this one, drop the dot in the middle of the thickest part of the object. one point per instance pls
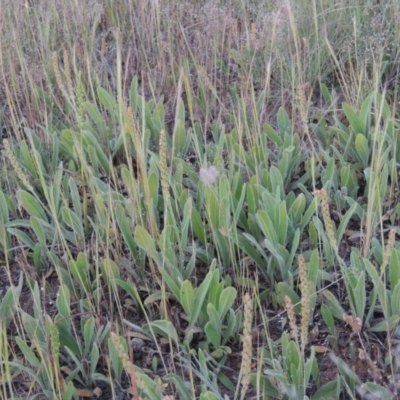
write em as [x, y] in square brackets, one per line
[31, 205]
[365, 115]
[212, 335]
[134, 94]
[215, 320]
[88, 335]
[267, 227]
[187, 298]
[282, 290]
[9, 302]
[387, 325]
[124, 225]
[109, 270]
[201, 295]
[330, 390]
[179, 385]
[33, 327]
[264, 385]
[344, 222]
[362, 149]
[376, 391]
[209, 396]
[94, 358]
[333, 304]
[246, 242]
[273, 135]
[107, 100]
[284, 124]
[353, 119]
[327, 316]
[164, 328]
[230, 329]
[395, 299]
[64, 302]
[129, 288]
[74, 222]
[28, 353]
[282, 224]
[147, 243]
[226, 301]
[97, 118]
[172, 284]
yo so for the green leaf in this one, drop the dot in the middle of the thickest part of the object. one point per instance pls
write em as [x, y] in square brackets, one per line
[130, 289]
[64, 302]
[267, 227]
[146, 242]
[283, 290]
[88, 335]
[345, 221]
[179, 385]
[201, 295]
[212, 335]
[187, 298]
[362, 148]
[245, 242]
[330, 390]
[264, 385]
[124, 225]
[226, 300]
[109, 271]
[107, 100]
[284, 124]
[74, 222]
[353, 119]
[387, 325]
[375, 391]
[172, 284]
[8, 304]
[328, 319]
[28, 353]
[31, 205]
[395, 299]
[133, 93]
[163, 328]
[209, 396]
[333, 304]
[214, 320]
[94, 358]
[33, 327]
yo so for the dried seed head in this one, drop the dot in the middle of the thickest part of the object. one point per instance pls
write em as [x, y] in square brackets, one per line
[329, 225]
[164, 166]
[57, 74]
[247, 344]
[18, 170]
[388, 250]
[294, 331]
[305, 300]
[67, 69]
